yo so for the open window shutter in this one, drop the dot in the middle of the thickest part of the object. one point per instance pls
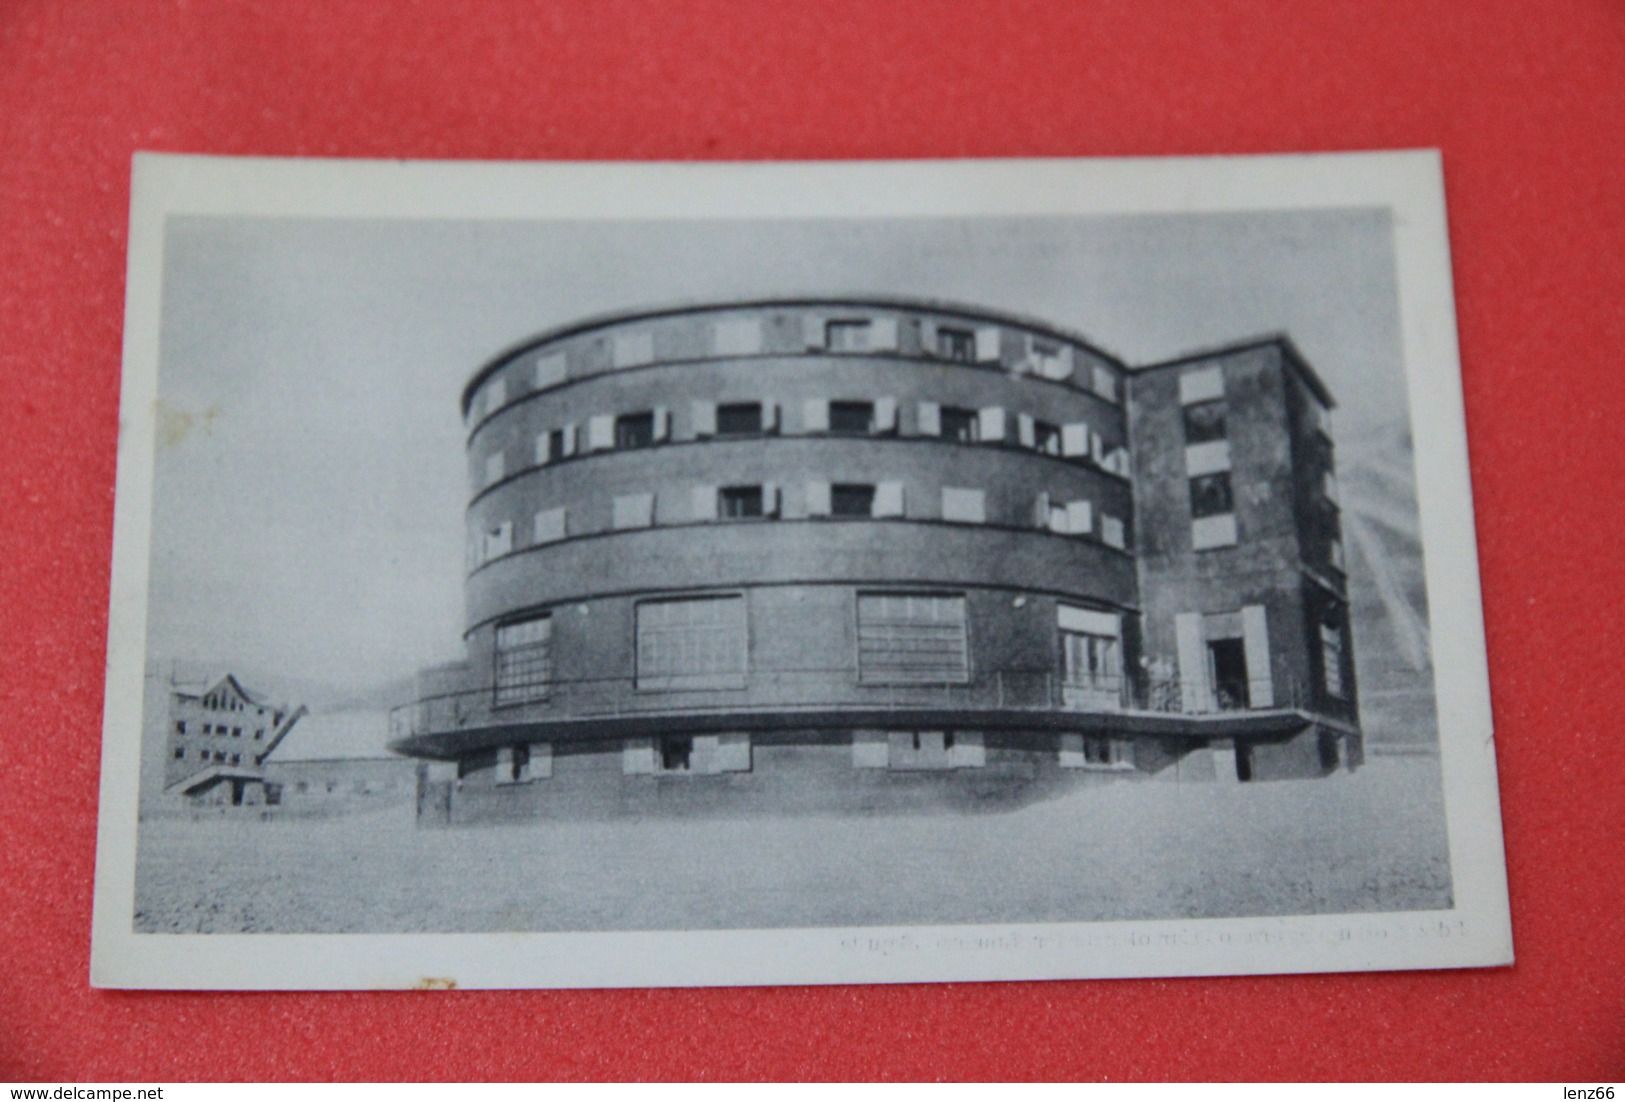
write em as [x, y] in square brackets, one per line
[987, 344]
[889, 499]
[1080, 517]
[1041, 510]
[495, 467]
[883, 334]
[662, 423]
[772, 499]
[886, 414]
[601, 433]
[815, 415]
[549, 526]
[1075, 439]
[704, 416]
[703, 503]
[570, 433]
[550, 371]
[1097, 449]
[1255, 641]
[770, 416]
[991, 424]
[1026, 431]
[812, 331]
[930, 419]
[818, 499]
[543, 452]
[1057, 520]
[1194, 695]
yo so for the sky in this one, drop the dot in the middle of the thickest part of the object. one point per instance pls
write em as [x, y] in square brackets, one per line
[310, 482]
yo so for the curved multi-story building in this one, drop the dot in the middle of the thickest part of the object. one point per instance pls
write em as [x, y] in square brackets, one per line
[889, 544]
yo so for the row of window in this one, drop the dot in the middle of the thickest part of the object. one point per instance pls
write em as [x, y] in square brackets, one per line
[219, 757]
[903, 638]
[1207, 458]
[1022, 353]
[712, 420]
[225, 702]
[765, 501]
[219, 729]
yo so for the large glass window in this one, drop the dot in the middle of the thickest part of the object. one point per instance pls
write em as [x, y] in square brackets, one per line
[1331, 656]
[959, 424]
[524, 660]
[852, 418]
[739, 419]
[740, 502]
[846, 336]
[635, 430]
[1091, 658]
[956, 344]
[1211, 495]
[912, 639]
[852, 499]
[692, 644]
[1204, 421]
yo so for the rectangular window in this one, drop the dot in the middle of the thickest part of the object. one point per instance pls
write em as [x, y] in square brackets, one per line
[236, 759]
[1331, 658]
[692, 644]
[739, 419]
[852, 418]
[958, 424]
[741, 502]
[1047, 437]
[1211, 495]
[236, 732]
[852, 499]
[180, 753]
[912, 639]
[846, 336]
[1204, 421]
[635, 430]
[958, 345]
[524, 660]
[1091, 660]
[180, 727]
[1048, 360]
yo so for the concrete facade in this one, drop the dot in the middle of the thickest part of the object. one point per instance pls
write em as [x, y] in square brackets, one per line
[897, 539]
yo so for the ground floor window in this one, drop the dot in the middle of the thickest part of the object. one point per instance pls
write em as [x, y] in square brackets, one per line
[692, 644]
[676, 754]
[524, 660]
[912, 639]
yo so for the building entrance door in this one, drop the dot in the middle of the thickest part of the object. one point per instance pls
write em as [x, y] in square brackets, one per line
[1227, 673]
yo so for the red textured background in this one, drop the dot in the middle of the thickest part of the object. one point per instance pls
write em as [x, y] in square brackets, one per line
[1525, 100]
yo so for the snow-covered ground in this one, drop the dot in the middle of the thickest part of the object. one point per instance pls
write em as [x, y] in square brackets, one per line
[1371, 841]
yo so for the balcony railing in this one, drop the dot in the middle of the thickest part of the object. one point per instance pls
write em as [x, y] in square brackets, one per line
[790, 691]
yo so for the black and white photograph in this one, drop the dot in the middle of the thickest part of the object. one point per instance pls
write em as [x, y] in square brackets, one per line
[657, 574]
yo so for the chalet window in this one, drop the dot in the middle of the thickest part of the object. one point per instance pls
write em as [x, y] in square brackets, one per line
[912, 639]
[692, 644]
[958, 345]
[958, 424]
[846, 336]
[739, 419]
[524, 660]
[852, 418]
[1211, 495]
[1204, 421]
[741, 502]
[635, 430]
[852, 499]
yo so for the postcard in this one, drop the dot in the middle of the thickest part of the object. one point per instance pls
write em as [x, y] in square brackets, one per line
[562, 575]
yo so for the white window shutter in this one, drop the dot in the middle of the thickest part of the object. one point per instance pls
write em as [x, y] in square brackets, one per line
[633, 349]
[662, 423]
[883, 335]
[738, 337]
[570, 433]
[1255, 641]
[499, 540]
[987, 344]
[1075, 439]
[549, 526]
[770, 416]
[495, 467]
[772, 499]
[990, 427]
[1194, 693]
[889, 499]
[1118, 462]
[886, 414]
[703, 503]
[544, 453]
[1112, 532]
[964, 506]
[815, 415]
[1041, 510]
[633, 511]
[601, 433]
[818, 499]
[812, 331]
[1057, 520]
[1026, 431]
[496, 393]
[930, 419]
[1080, 518]
[1104, 383]
[1201, 385]
[704, 416]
